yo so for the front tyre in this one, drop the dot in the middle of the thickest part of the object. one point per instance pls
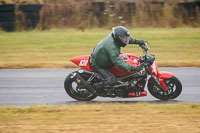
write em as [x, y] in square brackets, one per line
[174, 89]
[76, 90]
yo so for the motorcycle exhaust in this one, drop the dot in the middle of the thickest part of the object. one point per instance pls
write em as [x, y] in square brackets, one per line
[84, 83]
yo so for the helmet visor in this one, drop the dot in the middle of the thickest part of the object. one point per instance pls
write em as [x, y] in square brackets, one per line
[124, 39]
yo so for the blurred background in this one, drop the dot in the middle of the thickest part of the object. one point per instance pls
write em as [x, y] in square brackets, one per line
[47, 33]
[17, 15]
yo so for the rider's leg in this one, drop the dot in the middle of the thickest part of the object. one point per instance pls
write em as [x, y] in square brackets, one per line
[109, 79]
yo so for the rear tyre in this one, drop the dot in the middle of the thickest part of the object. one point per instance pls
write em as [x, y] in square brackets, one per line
[174, 89]
[76, 90]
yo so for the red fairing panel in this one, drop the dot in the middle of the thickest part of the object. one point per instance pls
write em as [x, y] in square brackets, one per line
[130, 59]
[154, 69]
[132, 94]
[82, 61]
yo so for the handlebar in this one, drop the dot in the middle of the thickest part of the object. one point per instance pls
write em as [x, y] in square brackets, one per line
[146, 60]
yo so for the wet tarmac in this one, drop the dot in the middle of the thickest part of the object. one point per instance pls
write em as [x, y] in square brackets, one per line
[25, 87]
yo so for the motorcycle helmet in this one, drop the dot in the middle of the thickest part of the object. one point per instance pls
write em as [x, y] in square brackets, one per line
[121, 35]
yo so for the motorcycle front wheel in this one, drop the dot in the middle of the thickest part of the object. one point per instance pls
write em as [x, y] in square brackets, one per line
[75, 90]
[174, 89]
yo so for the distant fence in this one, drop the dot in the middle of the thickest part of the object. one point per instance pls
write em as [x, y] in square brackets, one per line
[96, 14]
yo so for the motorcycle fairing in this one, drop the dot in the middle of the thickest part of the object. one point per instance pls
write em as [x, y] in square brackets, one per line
[82, 61]
[154, 69]
[131, 59]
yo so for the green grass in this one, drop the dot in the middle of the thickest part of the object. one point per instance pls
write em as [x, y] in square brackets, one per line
[102, 117]
[54, 48]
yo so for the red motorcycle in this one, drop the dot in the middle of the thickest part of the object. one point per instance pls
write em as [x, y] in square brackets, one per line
[161, 85]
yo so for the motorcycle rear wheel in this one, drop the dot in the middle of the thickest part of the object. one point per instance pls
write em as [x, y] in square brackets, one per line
[76, 91]
[174, 89]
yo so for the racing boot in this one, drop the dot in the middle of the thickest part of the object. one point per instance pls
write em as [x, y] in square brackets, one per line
[103, 90]
[98, 87]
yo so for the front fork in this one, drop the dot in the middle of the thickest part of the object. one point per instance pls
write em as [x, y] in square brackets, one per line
[160, 82]
[159, 78]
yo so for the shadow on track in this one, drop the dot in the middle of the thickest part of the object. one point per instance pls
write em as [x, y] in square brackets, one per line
[123, 102]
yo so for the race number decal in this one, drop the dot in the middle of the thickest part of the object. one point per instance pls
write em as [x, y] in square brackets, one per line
[83, 63]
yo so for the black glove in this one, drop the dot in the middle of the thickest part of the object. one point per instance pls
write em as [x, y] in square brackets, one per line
[140, 42]
[136, 68]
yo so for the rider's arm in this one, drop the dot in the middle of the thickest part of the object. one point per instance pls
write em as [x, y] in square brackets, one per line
[132, 40]
[136, 41]
[115, 59]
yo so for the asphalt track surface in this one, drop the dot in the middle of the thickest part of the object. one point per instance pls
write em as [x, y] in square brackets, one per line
[25, 87]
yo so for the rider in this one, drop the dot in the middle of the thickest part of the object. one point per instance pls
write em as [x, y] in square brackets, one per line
[106, 53]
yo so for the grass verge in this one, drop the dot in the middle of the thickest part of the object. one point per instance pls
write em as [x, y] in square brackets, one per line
[104, 117]
[52, 49]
